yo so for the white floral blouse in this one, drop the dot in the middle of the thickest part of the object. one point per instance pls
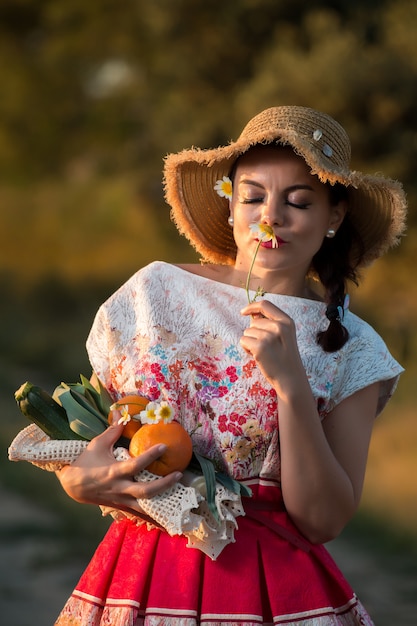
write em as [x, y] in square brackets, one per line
[169, 334]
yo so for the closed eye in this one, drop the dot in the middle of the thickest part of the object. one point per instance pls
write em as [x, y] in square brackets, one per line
[302, 205]
[250, 200]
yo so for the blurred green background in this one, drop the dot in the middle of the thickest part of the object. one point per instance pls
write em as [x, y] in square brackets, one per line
[94, 94]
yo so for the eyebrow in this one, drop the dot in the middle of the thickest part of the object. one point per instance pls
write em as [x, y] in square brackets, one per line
[248, 181]
[297, 187]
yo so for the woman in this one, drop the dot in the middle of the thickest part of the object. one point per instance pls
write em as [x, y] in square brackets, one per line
[278, 382]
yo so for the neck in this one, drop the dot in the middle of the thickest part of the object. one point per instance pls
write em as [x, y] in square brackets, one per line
[271, 281]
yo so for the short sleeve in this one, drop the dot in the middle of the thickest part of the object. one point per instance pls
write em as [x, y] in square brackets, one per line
[113, 328]
[365, 360]
[115, 334]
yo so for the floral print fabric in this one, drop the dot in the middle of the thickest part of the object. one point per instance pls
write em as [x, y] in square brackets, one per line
[172, 335]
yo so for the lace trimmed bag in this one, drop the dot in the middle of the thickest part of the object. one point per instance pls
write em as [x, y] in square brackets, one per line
[180, 510]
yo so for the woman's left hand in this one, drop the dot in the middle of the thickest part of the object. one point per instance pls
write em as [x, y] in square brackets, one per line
[271, 340]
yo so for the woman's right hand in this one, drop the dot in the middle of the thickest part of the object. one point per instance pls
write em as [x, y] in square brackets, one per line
[97, 478]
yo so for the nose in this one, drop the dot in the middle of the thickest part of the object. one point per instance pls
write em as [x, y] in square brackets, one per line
[272, 214]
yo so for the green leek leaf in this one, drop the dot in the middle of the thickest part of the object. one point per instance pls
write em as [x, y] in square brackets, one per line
[233, 485]
[78, 411]
[102, 398]
[86, 431]
[209, 474]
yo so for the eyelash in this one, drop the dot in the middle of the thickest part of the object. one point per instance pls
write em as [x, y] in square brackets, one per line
[298, 206]
[257, 200]
[251, 200]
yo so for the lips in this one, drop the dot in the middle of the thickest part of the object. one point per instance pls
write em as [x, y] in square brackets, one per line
[268, 244]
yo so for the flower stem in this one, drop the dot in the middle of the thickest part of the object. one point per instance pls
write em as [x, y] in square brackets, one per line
[250, 271]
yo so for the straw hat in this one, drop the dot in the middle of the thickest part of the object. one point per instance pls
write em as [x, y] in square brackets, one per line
[377, 205]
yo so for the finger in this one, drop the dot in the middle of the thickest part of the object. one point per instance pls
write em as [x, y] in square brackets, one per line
[261, 328]
[262, 308]
[108, 438]
[249, 344]
[154, 487]
[138, 463]
[264, 311]
[115, 415]
[129, 492]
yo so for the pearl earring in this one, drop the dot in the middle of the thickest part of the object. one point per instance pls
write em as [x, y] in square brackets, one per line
[331, 233]
[230, 220]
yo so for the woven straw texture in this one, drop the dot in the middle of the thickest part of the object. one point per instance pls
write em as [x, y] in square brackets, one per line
[377, 205]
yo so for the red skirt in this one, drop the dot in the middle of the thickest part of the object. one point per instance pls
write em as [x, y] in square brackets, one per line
[270, 575]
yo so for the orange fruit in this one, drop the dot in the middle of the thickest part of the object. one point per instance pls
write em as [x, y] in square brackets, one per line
[179, 446]
[135, 404]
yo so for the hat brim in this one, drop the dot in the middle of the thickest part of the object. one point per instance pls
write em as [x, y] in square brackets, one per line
[377, 205]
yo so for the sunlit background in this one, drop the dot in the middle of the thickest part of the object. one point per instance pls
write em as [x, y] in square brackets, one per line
[94, 94]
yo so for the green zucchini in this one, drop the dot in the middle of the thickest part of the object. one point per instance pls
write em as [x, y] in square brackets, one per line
[39, 407]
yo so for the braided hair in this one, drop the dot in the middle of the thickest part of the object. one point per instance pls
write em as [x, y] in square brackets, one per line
[334, 267]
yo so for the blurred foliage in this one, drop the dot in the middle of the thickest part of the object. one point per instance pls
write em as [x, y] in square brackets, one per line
[100, 87]
[94, 94]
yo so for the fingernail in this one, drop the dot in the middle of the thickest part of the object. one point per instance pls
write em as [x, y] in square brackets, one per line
[114, 417]
[162, 448]
[178, 476]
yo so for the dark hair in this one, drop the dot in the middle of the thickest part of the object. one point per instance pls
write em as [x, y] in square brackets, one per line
[334, 266]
